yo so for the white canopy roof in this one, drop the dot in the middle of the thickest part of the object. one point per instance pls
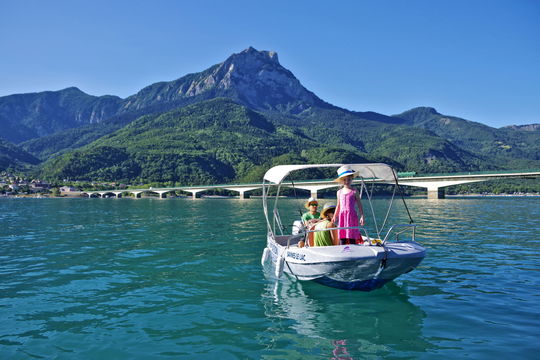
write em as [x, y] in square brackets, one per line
[377, 170]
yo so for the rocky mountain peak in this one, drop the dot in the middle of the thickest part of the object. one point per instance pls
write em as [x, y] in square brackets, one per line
[254, 66]
[251, 54]
[261, 82]
[425, 110]
[251, 77]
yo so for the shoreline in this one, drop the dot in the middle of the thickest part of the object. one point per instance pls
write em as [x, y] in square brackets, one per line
[495, 195]
[259, 196]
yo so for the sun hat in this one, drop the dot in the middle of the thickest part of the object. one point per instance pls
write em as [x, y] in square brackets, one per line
[326, 208]
[311, 200]
[343, 171]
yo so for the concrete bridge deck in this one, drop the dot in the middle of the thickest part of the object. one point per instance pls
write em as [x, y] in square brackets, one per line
[434, 183]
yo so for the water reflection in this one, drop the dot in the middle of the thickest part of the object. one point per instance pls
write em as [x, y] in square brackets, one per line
[343, 324]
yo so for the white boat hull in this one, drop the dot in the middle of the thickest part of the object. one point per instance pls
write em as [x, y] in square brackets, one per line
[354, 267]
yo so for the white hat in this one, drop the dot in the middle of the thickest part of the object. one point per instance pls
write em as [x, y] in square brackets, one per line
[345, 170]
[326, 208]
[311, 200]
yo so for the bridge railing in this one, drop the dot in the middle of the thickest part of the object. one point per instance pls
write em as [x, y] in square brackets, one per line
[487, 172]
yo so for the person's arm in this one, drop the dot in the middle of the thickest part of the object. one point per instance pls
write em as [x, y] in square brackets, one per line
[333, 233]
[360, 208]
[336, 212]
[310, 238]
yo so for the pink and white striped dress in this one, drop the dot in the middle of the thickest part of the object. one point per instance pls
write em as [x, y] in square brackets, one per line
[348, 215]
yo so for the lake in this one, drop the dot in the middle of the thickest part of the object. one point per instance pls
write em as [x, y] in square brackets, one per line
[182, 279]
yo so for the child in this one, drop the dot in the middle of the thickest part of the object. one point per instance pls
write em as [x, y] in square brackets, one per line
[312, 214]
[326, 237]
[346, 214]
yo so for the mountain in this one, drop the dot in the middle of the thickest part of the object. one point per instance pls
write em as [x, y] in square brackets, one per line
[234, 119]
[219, 140]
[13, 157]
[509, 147]
[252, 78]
[211, 141]
[28, 116]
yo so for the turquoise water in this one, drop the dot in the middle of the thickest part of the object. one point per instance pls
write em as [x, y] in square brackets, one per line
[181, 279]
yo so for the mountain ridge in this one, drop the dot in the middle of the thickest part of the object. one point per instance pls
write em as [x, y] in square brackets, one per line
[526, 127]
[245, 77]
[491, 143]
[238, 143]
[251, 77]
[419, 138]
[27, 116]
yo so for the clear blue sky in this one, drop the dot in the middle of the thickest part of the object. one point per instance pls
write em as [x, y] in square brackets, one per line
[479, 60]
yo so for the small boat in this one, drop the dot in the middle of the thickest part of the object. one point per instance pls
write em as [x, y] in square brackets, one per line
[382, 257]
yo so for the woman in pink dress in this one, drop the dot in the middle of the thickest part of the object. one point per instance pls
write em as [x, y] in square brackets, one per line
[346, 215]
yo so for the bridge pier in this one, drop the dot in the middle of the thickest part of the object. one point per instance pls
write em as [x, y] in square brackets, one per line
[118, 194]
[435, 189]
[193, 192]
[241, 191]
[162, 193]
[435, 193]
[313, 189]
[137, 194]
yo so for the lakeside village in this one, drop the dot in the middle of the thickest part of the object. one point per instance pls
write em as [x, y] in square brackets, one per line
[17, 186]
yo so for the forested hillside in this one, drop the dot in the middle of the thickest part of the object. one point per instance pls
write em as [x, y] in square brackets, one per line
[15, 158]
[208, 142]
[221, 141]
[231, 122]
[508, 147]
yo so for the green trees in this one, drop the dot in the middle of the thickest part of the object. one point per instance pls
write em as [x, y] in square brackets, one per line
[14, 157]
[219, 141]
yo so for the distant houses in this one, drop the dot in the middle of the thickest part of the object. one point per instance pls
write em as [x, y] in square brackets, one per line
[38, 185]
[66, 189]
[13, 185]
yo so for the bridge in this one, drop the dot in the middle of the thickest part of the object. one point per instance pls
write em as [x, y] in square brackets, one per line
[436, 183]
[433, 183]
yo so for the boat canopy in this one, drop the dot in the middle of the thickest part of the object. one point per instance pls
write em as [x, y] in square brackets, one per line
[378, 171]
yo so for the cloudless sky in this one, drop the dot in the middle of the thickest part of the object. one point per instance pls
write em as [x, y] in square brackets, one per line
[479, 60]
